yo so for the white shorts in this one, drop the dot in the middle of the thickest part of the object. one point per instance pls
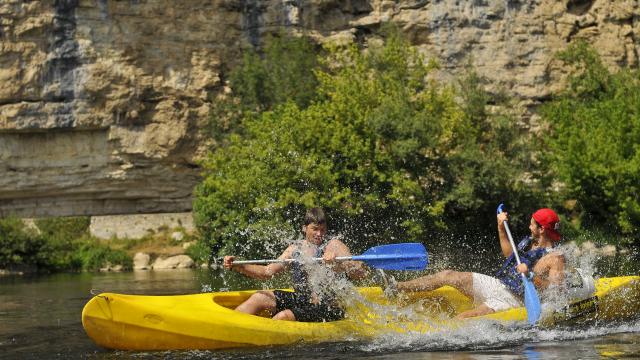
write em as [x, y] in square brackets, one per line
[580, 284]
[493, 293]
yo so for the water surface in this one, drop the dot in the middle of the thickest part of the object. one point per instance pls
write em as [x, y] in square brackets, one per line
[40, 318]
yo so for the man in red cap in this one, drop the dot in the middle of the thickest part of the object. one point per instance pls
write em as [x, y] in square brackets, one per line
[505, 290]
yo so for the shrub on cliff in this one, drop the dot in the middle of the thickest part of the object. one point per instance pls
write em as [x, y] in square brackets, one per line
[391, 155]
[594, 142]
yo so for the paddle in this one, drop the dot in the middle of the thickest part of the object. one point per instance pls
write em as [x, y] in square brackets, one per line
[403, 256]
[531, 299]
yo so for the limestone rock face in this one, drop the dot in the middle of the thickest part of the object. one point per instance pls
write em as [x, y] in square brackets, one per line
[103, 103]
[136, 226]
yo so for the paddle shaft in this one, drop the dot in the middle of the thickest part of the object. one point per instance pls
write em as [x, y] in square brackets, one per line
[403, 256]
[513, 245]
[531, 299]
[283, 261]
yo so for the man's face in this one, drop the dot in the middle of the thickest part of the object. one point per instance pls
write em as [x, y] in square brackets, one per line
[314, 233]
[535, 230]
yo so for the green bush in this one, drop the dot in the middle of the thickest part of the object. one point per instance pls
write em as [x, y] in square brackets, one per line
[593, 145]
[391, 155]
[62, 244]
[281, 73]
[93, 255]
[199, 252]
[19, 246]
[61, 237]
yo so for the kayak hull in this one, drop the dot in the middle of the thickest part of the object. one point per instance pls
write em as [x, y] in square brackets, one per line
[208, 321]
[200, 321]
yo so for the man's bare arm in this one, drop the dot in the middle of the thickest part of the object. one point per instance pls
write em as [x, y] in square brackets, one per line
[353, 269]
[262, 272]
[505, 244]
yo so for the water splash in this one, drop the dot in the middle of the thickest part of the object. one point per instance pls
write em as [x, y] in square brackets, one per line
[488, 335]
[475, 335]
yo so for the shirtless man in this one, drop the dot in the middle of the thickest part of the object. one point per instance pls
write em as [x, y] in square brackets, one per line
[505, 290]
[302, 304]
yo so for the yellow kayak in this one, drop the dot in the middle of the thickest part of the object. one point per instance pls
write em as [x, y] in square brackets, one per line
[208, 321]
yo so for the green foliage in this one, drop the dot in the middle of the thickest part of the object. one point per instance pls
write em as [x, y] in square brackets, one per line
[391, 155]
[93, 255]
[19, 246]
[594, 142]
[590, 78]
[497, 164]
[199, 252]
[281, 73]
[61, 237]
[64, 227]
[62, 244]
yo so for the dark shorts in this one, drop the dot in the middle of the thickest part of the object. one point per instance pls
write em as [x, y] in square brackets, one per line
[306, 311]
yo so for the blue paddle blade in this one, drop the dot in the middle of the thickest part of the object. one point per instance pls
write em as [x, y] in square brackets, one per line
[404, 256]
[531, 301]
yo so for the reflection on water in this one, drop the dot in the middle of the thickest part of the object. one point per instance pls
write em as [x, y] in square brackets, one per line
[40, 318]
[612, 346]
[41, 315]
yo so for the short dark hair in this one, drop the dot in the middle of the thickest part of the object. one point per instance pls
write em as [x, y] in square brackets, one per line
[315, 216]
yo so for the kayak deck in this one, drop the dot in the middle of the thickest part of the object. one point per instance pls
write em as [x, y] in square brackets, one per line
[208, 321]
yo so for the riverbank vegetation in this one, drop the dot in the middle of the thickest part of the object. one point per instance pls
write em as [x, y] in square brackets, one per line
[65, 244]
[394, 154]
[54, 244]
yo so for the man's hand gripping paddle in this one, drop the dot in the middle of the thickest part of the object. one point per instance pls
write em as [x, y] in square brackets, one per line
[531, 299]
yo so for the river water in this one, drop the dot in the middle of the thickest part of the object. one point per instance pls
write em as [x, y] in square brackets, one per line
[40, 319]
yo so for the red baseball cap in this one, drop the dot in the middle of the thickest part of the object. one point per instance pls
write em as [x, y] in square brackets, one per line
[549, 220]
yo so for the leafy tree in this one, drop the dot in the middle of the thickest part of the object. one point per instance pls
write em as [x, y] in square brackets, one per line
[593, 145]
[61, 244]
[498, 164]
[62, 237]
[282, 72]
[19, 246]
[391, 155]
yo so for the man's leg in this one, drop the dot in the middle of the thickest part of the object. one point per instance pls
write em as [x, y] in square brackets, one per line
[482, 309]
[259, 302]
[463, 281]
[287, 315]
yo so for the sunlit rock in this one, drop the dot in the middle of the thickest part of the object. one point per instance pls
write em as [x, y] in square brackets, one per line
[141, 261]
[608, 250]
[177, 235]
[173, 262]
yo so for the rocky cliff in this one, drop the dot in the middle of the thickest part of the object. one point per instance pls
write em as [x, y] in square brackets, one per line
[102, 103]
